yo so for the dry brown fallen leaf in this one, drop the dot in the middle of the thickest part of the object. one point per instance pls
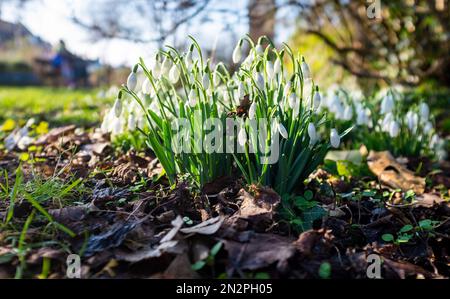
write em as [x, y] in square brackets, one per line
[258, 210]
[393, 174]
[261, 251]
[207, 227]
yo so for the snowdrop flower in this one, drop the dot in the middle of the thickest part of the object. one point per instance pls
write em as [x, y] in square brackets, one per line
[132, 81]
[131, 122]
[146, 86]
[205, 80]
[277, 66]
[24, 142]
[242, 137]
[312, 133]
[287, 88]
[335, 139]
[117, 126]
[282, 131]
[412, 120]
[117, 107]
[394, 129]
[305, 69]
[424, 111]
[259, 80]
[269, 70]
[348, 113]
[237, 52]
[292, 100]
[188, 59]
[427, 127]
[241, 90]
[317, 99]
[252, 110]
[386, 122]
[165, 66]
[387, 104]
[174, 74]
[216, 78]
[259, 49]
[192, 98]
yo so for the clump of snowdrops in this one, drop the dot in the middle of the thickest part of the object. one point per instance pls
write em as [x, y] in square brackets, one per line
[387, 121]
[187, 86]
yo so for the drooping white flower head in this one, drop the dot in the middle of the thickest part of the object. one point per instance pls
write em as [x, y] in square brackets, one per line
[282, 130]
[424, 111]
[394, 129]
[277, 66]
[192, 98]
[147, 87]
[259, 79]
[252, 110]
[174, 74]
[259, 49]
[270, 70]
[348, 112]
[335, 139]
[131, 122]
[312, 133]
[188, 58]
[292, 100]
[241, 90]
[205, 80]
[166, 66]
[412, 120]
[132, 80]
[305, 69]
[317, 99]
[427, 127]
[387, 104]
[287, 88]
[117, 107]
[242, 136]
[237, 52]
[216, 77]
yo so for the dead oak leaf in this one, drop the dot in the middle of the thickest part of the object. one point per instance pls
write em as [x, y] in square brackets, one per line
[393, 174]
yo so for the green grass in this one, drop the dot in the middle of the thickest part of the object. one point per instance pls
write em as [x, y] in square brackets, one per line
[60, 106]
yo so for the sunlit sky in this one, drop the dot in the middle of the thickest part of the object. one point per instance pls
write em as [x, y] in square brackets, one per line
[50, 20]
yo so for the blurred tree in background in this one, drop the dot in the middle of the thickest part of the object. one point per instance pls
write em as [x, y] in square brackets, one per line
[406, 42]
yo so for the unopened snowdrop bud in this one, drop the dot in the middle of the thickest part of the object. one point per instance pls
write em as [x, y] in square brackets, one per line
[412, 120]
[156, 68]
[237, 52]
[205, 80]
[165, 66]
[427, 127]
[348, 113]
[259, 80]
[292, 100]
[335, 139]
[241, 90]
[269, 70]
[146, 86]
[394, 129]
[277, 66]
[174, 74]
[252, 110]
[131, 122]
[424, 111]
[287, 88]
[132, 80]
[387, 104]
[317, 99]
[282, 130]
[259, 49]
[192, 98]
[312, 134]
[117, 107]
[188, 58]
[216, 78]
[242, 137]
[305, 69]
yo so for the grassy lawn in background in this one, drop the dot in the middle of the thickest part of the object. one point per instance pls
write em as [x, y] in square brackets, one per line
[57, 106]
